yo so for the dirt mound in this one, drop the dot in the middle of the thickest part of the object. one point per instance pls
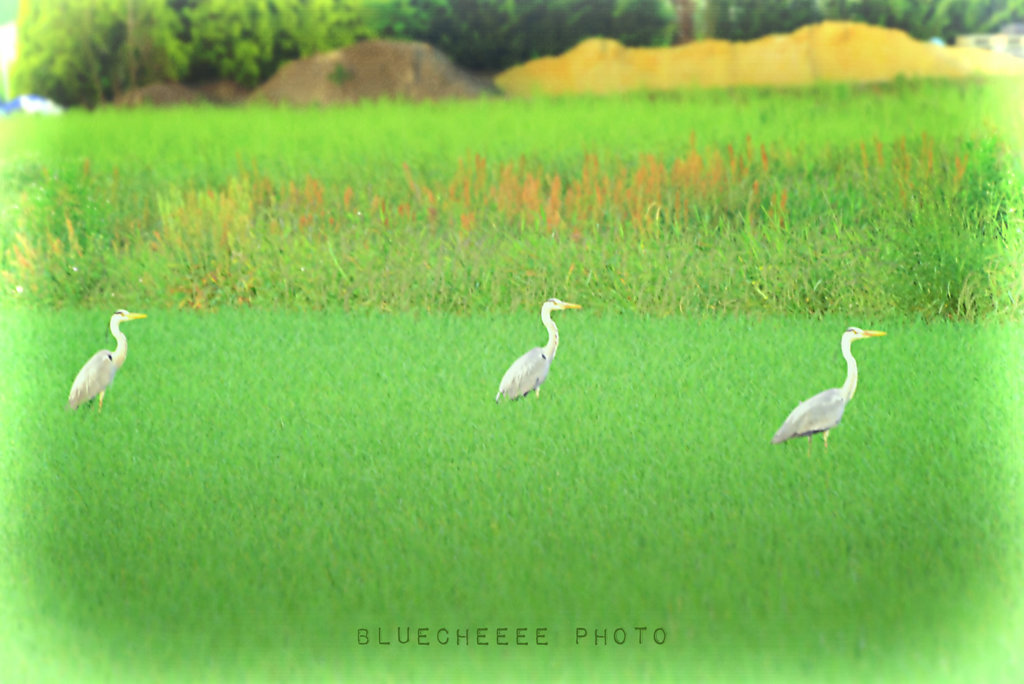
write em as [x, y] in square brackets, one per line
[372, 69]
[158, 94]
[829, 51]
[223, 92]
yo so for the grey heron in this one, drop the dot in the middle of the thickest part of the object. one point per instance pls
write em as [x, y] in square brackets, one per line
[824, 410]
[98, 372]
[531, 369]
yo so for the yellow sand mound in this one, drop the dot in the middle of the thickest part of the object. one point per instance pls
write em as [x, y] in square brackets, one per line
[829, 51]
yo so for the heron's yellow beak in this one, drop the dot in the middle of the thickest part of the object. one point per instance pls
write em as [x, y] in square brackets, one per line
[570, 305]
[872, 333]
[134, 316]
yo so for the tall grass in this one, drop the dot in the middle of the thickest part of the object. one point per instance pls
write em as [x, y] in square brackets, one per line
[831, 200]
[261, 485]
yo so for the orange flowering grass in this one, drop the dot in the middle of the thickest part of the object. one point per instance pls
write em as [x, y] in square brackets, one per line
[746, 227]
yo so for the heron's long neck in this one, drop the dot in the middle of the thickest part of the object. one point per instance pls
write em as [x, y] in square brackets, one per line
[552, 346]
[121, 351]
[850, 386]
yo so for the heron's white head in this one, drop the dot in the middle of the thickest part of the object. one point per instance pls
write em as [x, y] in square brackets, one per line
[554, 304]
[857, 334]
[122, 315]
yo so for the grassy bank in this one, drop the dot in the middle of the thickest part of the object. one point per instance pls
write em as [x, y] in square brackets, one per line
[260, 486]
[883, 201]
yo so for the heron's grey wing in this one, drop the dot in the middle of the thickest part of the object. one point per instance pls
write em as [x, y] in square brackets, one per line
[525, 375]
[95, 376]
[821, 412]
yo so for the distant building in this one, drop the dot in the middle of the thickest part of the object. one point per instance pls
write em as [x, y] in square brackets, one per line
[1010, 40]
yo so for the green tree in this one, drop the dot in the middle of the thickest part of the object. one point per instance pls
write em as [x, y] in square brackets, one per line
[925, 19]
[920, 18]
[246, 41]
[86, 51]
[149, 45]
[643, 23]
[981, 16]
[396, 18]
[230, 39]
[749, 19]
[306, 27]
[494, 34]
[65, 49]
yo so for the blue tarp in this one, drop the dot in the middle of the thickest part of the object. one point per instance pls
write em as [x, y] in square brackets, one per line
[31, 104]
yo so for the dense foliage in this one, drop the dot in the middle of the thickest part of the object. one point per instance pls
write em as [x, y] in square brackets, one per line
[495, 34]
[923, 19]
[246, 42]
[88, 52]
[85, 53]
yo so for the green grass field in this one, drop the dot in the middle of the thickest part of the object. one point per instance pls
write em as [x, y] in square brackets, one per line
[260, 485]
[896, 200]
[303, 442]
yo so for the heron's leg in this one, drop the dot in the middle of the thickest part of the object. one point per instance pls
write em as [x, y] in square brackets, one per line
[536, 392]
[826, 440]
[101, 401]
